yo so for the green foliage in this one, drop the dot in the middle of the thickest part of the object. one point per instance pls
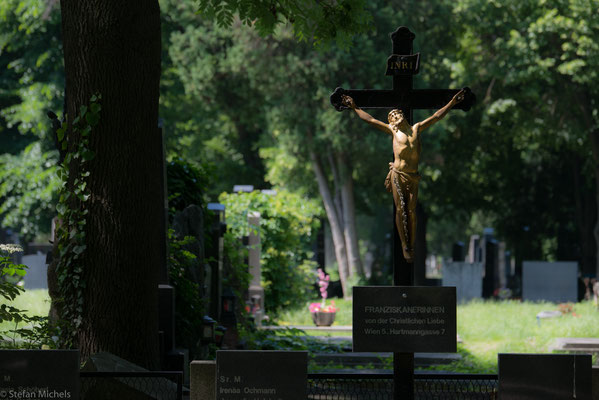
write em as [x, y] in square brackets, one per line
[28, 189]
[32, 64]
[322, 21]
[9, 290]
[186, 185]
[208, 120]
[36, 331]
[287, 225]
[236, 274]
[189, 309]
[72, 215]
[531, 63]
[31, 82]
[288, 339]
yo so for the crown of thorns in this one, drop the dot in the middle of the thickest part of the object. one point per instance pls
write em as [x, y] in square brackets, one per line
[394, 111]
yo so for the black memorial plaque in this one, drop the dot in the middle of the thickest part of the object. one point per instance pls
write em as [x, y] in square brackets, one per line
[39, 374]
[544, 376]
[261, 375]
[404, 319]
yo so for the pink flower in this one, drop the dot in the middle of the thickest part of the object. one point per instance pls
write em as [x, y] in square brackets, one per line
[323, 284]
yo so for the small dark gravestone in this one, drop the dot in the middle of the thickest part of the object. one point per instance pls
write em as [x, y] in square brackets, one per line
[39, 374]
[261, 375]
[544, 376]
[404, 319]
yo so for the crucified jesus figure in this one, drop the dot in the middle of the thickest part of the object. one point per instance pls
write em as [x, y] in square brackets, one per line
[403, 177]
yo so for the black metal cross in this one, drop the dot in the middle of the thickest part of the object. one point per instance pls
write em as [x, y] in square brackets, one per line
[402, 64]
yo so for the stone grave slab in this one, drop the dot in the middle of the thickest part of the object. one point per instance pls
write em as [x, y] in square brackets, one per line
[544, 376]
[37, 273]
[466, 277]
[39, 374]
[261, 375]
[404, 319]
[123, 387]
[550, 281]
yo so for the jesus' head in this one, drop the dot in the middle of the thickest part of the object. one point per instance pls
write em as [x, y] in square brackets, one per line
[396, 117]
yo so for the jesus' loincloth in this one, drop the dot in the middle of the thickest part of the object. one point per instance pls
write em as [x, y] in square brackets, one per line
[404, 187]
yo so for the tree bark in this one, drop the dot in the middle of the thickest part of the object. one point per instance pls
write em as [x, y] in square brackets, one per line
[349, 217]
[334, 222]
[113, 48]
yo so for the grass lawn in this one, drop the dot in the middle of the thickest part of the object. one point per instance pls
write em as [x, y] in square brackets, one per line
[485, 327]
[489, 327]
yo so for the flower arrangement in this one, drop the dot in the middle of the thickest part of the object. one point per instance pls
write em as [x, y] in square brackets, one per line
[565, 308]
[323, 284]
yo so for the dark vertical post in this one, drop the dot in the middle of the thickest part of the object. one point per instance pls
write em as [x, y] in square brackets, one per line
[163, 276]
[214, 253]
[403, 272]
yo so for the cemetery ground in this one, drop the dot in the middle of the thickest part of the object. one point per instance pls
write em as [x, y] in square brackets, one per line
[485, 328]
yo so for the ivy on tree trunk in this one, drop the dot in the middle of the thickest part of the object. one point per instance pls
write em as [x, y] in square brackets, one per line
[113, 48]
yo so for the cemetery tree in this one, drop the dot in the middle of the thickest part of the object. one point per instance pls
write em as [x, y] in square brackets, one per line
[114, 50]
[536, 64]
[257, 77]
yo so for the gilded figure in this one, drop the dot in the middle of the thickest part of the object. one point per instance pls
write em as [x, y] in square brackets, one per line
[403, 177]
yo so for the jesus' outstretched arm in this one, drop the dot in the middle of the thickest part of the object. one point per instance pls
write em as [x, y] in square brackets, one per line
[349, 102]
[437, 116]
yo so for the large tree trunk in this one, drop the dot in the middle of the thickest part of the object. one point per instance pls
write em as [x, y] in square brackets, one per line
[334, 221]
[113, 48]
[349, 217]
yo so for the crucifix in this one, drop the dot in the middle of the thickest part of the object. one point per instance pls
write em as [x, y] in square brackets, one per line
[403, 177]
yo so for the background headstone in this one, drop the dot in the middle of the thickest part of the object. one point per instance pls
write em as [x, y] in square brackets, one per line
[550, 281]
[474, 250]
[457, 252]
[544, 376]
[255, 291]
[214, 253]
[203, 380]
[491, 267]
[466, 277]
[258, 375]
[32, 374]
[37, 271]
